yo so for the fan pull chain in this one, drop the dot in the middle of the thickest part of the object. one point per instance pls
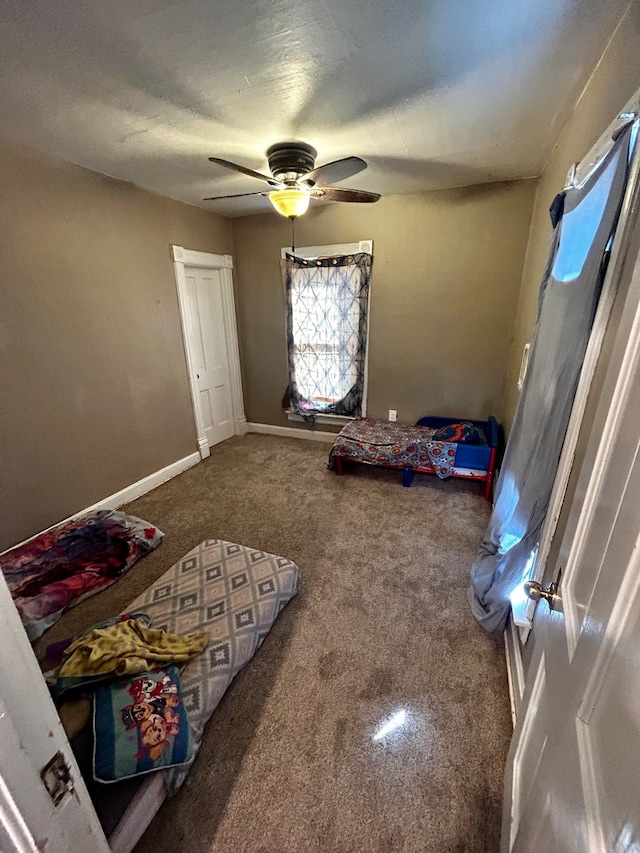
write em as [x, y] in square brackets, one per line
[293, 235]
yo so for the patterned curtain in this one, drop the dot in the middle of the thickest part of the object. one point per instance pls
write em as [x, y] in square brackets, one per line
[327, 301]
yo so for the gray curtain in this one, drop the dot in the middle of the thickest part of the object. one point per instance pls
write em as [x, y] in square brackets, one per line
[586, 217]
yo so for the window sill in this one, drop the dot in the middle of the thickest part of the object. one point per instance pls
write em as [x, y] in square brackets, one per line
[337, 420]
[519, 612]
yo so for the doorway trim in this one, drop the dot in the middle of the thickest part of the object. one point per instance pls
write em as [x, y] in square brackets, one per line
[183, 258]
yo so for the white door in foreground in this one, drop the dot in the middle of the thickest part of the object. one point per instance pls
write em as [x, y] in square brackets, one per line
[31, 736]
[573, 768]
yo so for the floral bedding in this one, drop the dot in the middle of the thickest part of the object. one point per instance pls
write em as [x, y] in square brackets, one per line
[396, 445]
[59, 568]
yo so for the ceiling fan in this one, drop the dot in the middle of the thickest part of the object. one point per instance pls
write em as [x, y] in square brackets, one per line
[295, 180]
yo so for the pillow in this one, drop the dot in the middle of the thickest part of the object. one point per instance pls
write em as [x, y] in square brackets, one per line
[463, 433]
[140, 725]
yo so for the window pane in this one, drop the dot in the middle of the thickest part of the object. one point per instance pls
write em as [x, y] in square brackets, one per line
[326, 320]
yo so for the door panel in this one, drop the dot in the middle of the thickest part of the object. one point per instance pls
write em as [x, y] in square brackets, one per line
[559, 809]
[530, 749]
[579, 587]
[591, 733]
[550, 822]
[610, 708]
[208, 348]
[552, 802]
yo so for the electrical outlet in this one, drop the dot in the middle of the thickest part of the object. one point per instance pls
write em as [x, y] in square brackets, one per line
[393, 414]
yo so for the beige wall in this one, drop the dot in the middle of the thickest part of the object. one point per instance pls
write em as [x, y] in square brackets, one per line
[446, 275]
[93, 380]
[613, 82]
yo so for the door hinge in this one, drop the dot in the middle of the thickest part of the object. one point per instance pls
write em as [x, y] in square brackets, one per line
[56, 776]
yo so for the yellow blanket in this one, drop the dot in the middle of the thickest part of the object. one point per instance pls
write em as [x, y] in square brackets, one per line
[127, 648]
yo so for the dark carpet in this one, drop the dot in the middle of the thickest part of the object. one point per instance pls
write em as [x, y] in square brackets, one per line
[296, 757]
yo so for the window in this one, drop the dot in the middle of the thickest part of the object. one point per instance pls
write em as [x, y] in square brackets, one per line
[327, 291]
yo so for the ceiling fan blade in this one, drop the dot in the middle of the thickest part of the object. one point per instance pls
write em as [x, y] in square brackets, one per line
[335, 171]
[342, 194]
[237, 195]
[243, 169]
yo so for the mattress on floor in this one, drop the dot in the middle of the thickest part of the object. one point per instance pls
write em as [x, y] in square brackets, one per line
[235, 594]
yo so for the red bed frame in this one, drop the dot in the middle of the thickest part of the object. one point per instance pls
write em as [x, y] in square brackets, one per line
[474, 457]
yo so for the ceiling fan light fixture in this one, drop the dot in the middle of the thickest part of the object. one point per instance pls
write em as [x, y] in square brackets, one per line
[290, 202]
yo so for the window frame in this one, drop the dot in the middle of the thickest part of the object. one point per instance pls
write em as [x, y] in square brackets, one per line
[310, 253]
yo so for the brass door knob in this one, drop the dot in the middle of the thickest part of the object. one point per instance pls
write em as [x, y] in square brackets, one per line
[535, 591]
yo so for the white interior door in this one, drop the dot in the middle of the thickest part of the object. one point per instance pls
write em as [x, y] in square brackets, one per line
[30, 736]
[572, 773]
[209, 356]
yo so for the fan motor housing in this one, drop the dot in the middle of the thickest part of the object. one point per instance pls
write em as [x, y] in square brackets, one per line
[289, 160]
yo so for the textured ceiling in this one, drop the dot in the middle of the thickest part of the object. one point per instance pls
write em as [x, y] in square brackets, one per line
[432, 93]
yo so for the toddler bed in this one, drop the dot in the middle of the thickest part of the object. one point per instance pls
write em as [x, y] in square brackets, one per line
[447, 447]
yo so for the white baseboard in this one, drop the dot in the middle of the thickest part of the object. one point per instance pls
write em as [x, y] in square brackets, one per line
[515, 668]
[130, 493]
[291, 432]
[136, 490]
[241, 426]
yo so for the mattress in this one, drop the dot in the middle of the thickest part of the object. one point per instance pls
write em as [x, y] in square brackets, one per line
[235, 594]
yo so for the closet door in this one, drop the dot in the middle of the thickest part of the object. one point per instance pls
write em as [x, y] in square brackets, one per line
[207, 314]
[208, 347]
